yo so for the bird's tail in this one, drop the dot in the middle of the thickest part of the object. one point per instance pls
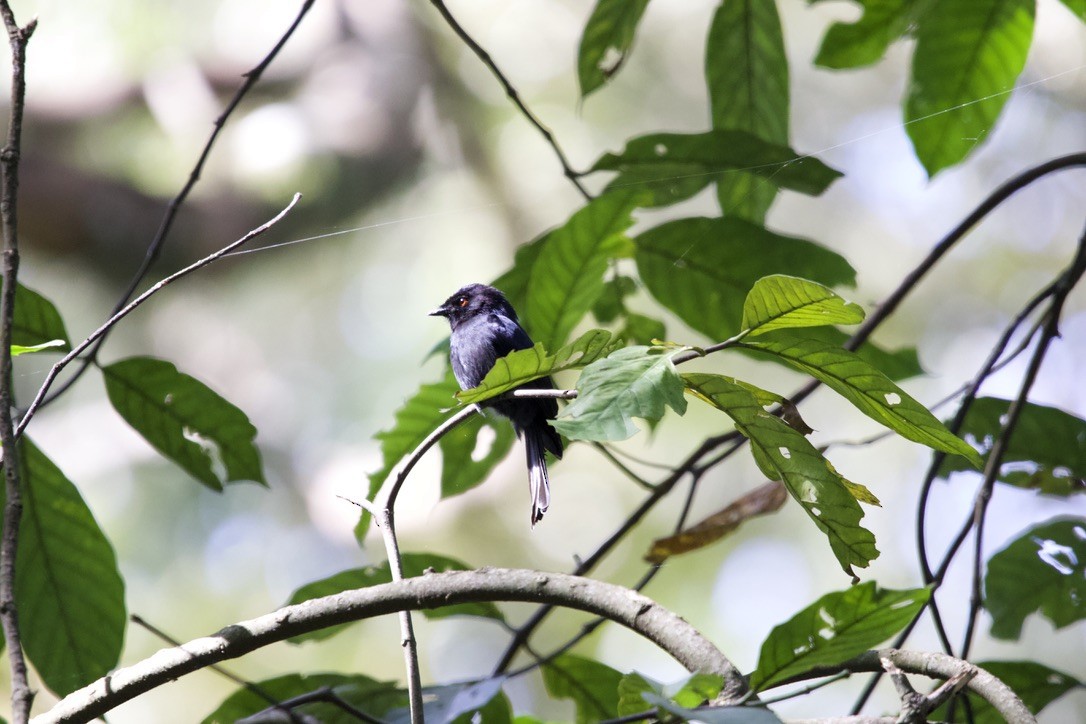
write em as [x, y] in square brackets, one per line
[539, 485]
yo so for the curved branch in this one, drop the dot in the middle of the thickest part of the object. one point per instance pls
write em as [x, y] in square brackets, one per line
[638, 613]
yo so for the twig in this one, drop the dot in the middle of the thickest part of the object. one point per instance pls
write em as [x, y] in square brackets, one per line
[663, 628]
[21, 695]
[514, 96]
[131, 306]
[324, 694]
[159, 240]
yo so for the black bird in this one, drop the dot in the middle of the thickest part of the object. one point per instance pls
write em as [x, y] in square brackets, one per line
[484, 329]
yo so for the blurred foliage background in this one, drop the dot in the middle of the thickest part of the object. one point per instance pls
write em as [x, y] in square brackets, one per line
[419, 176]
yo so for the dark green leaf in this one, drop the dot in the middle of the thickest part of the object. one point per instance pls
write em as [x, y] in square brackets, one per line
[702, 269]
[690, 691]
[1043, 570]
[515, 281]
[611, 302]
[833, 629]
[783, 302]
[467, 458]
[414, 564]
[872, 392]
[1035, 684]
[643, 330]
[68, 588]
[655, 163]
[784, 454]
[606, 42]
[526, 365]
[898, 364]
[592, 686]
[968, 55]
[1078, 7]
[747, 73]
[632, 382]
[376, 698]
[36, 320]
[853, 45]
[567, 276]
[1046, 452]
[185, 421]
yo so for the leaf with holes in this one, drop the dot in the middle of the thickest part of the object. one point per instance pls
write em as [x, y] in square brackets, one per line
[632, 382]
[376, 698]
[833, 629]
[525, 365]
[782, 302]
[868, 389]
[414, 565]
[1043, 570]
[185, 420]
[470, 452]
[784, 454]
[863, 42]
[68, 589]
[592, 686]
[606, 41]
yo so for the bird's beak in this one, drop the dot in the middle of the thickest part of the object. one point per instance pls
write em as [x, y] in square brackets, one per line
[439, 312]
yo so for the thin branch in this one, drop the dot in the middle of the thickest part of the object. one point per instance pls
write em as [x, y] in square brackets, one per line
[511, 91]
[154, 249]
[634, 611]
[325, 694]
[22, 697]
[131, 306]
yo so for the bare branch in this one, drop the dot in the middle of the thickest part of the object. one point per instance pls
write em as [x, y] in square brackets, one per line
[638, 613]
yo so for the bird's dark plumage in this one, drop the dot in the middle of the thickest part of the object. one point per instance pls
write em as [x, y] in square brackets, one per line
[485, 328]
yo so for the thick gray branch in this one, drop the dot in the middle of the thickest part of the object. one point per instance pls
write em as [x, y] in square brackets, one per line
[662, 627]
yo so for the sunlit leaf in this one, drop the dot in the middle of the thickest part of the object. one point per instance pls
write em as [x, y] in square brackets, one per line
[592, 686]
[1043, 570]
[18, 349]
[968, 56]
[185, 420]
[786, 455]
[1035, 684]
[833, 629]
[526, 365]
[633, 382]
[36, 320]
[853, 45]
[702, 269]
[376, 698]
[606, 41]
[760, 501]
[689, 691]
[746, 71]
[1046, 452]
[68, 589]
[868, 389]
[782, 302]
[414, 564]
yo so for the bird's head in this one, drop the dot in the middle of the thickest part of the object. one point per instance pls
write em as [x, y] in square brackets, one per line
[471, 301]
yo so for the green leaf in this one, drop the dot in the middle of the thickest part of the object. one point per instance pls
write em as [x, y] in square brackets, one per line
[1035, 684]
[1078, 7]
[702, 269]
[416, 419]
[18, 349]
[68, 588]
[784, 454]
[690, 691]
[466, 460]
[376, 698]
[462, 703]
[414, 564]
[642, 330]
[514, 282]
[632, 382]
[854, 45]
[525, 365]
[782, 302]
[747, 73]
[1046, 452]
[185, 420]
[868, 389]
[592, 686]
[968, 55]
[833, 629]
[567, 276]
[671, 167]
[606, 42]
[1043, 570]
[714, 715]
[36, 320]
[611, 302]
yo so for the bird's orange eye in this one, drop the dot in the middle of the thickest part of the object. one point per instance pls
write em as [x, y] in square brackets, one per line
[462, 301]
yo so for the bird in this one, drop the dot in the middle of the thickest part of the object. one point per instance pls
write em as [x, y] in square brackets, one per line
[484, 329]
